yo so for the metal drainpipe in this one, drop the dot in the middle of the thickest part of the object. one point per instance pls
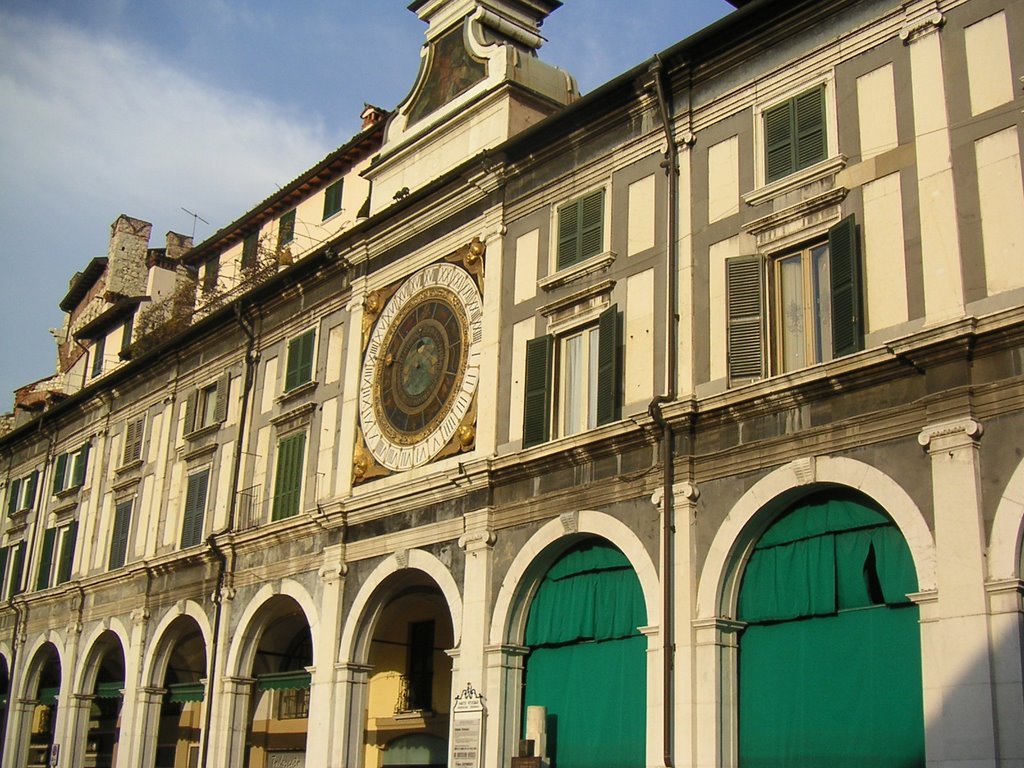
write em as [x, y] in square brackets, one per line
[671, 166]
[251, 359]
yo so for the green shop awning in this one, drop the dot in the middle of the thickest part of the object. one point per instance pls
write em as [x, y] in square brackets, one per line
[181, 693]
[48, 695]
[283, 681]
[109, 690]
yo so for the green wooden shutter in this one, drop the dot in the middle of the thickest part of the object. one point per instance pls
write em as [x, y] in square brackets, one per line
[132, 442]
[580, 229]
[59, 471]
[17, 571]
[744, 284]
[332, 198]
[4, 557]
[300, 360]
[191, 408]
[809, 122]
[249, 248]
[220, 410]
[119, 537]
[847, 305]
[568, 234]
[608, 343]
[286, 228]
[778, 142]
[537, 398]
[591, 224]
[195, 508]
[33, 487]
[67, 552]
[13, 497]
[46, 559]
[288, 476]
[81, 464]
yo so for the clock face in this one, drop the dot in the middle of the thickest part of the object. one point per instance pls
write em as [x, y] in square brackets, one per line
[421, 367]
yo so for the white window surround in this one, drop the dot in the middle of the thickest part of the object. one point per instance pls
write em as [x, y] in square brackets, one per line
[773, 99]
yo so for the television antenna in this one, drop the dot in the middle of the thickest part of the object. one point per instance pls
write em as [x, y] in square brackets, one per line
[194, 217]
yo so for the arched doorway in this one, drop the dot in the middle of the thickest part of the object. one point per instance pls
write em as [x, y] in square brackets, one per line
[43, 709]
[5, 695]
[830, 658]
[104, 708]
[410, 685]
[279, 706]
[587, 662]
[181, 723]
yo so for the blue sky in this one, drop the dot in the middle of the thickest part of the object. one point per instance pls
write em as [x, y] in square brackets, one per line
[146, 107]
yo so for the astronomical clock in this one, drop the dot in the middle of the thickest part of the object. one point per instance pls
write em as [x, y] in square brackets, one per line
[421, 365]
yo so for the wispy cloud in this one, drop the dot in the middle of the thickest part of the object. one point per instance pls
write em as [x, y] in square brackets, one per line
[93, 128]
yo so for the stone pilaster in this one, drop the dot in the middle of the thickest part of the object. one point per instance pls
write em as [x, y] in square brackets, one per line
[956, 650]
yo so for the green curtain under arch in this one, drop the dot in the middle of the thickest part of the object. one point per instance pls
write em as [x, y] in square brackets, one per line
[830, 662]
[588, 660]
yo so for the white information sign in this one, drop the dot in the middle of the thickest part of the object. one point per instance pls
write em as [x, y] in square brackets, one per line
[467, 736]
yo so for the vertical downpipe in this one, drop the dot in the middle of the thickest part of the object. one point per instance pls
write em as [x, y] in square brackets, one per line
[251, 359]
[671, 166]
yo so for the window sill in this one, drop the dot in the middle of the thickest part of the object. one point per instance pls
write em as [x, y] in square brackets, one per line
[577, 271]
[128, 467]
[294, 392]
[828, 167]
[207, 429]
[67, 493]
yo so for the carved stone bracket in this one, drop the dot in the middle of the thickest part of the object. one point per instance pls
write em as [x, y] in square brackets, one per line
[570, 521]
[805, 469]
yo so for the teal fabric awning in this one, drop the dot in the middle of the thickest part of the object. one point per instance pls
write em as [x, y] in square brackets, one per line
[180, 693]
[283, 681]
[110, 690]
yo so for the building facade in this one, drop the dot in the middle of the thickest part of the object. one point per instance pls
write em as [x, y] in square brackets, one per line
[669, 425]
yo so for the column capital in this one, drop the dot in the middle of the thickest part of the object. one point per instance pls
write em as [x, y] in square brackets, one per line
[949, 435]
[686, 491]
[920, 18]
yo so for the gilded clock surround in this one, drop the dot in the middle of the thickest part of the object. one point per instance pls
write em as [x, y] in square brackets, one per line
[421, 342]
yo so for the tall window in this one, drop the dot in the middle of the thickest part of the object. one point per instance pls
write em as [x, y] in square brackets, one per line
[580, 229]
[299, 369]
[208, 405]
[286, 228]
[98, 350]
[250, 247]
[133, 432]
[578, 357]
[288, 476]
[58, 555]
[21, 493]
[195, 508]
[211, 273]
[119, 535]
[794, 134]
[812, 313]
[420, 669]
[572, 381]
[15, 582]
[332, 198]
[69, 469]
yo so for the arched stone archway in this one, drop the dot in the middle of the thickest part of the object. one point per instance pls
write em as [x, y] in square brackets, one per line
[716, 629]
[395, 666]
[269, 675]
[174, 692]
[95, 712]
[35, 714]
[508, 626]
